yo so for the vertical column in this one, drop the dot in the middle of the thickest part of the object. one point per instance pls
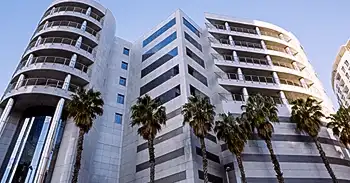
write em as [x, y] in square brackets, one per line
[19, 81]
[38, 41]
[227, 26]
[263, 44]
[303, 83]
[88, 11]
[269, 60]
[258, 31]
[231, 40]
[276, 78]
[83, 25]
[79, 41]
[30, 59]
[289, 51]
[245, 94]
[5, 114]
[235, 56]
[295, 65]
[281, 36]
[53, 10]
[9, 172]
[73, 60]
[240, 74]
[40, 174]
[283, 97]
[46, 24]
[66, 82]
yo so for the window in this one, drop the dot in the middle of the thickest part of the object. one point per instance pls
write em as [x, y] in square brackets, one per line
[126, 51]
[197, 75]
[193, 42]
[195, 92]
[195, 57]
[191, 27]
[346, 63]
[169, 95]
[122, 81]
[162, 60]
[159, 32]
[347, 75]
[159, 80]
[343, 69]
[118, 118]
[159, 46]
[124, 65]
[120, 99]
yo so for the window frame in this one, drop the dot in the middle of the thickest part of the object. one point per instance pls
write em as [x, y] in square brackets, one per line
[126, 51]
[118, 116]
[122, 79]
[120, 97]
[126, 64]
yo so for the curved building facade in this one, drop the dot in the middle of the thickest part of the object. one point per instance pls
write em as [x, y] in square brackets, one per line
[227, 60]
[340, 75]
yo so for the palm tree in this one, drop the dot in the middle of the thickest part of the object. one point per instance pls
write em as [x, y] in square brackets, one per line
[261, 112]
[307, 116]
[199, 114]
[149, 116]
[83, 108]
[234, 133]
[340, 125]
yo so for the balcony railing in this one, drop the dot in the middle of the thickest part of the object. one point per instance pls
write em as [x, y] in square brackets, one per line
[243, 30]
[276, 48]
[289, 82]
[67, 24]
[60, 40]
[271, 34]
[248, 44]
[281, 64]
[73, 9]
[247, 78]
[43, 82]
[246, 60]
[55, 60]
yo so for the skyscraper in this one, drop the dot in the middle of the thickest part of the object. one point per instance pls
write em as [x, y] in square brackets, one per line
[227, 60]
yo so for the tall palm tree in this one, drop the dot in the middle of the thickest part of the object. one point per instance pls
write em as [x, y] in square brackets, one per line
[234, 133]
[149, 116]
[83, 108]
[340, 124]
[199, 114]
[261, 112]
[307, 115]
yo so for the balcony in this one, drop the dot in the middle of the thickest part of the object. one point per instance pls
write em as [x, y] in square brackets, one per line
[74, 10]
[248, 45]
[291, 82]
[247, 78]
[238, 98]
[69, 24]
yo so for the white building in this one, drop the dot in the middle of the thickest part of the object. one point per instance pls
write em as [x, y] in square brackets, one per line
[227, 60]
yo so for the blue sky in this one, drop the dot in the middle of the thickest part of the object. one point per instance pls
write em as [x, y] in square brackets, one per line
[320, 25]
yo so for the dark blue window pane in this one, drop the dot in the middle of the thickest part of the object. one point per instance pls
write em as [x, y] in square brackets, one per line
[159, 32]
[191, 27]
[162, 60]
[193, 41]
[159, 46]
[124, 65]
[169, 95]
[122, 81]
[120, 99]
[197, 75]
[195, 57]
[118, 118]
[126, 51]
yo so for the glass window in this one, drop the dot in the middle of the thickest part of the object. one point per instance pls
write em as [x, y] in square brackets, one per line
[120, 99]
[346, 63]
[169, 95]
[126, 51]
[122, 81]
[195, 57]
[343, 69]
[159, 80]
[195, 92]
[159, 62]
[193, 42]
[191, 27]
[347, 75]
[118, 118]
[197, 75]
[124, 65]
[159, 46]
[159, 32]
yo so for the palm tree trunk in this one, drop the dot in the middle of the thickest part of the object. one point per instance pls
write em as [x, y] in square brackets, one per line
[152, 161]
[78, 156]
[241, 168]
[205, 161]
[275, 162]
[325, 160]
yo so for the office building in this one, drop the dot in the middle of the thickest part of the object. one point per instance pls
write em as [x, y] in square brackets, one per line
[227, 59]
